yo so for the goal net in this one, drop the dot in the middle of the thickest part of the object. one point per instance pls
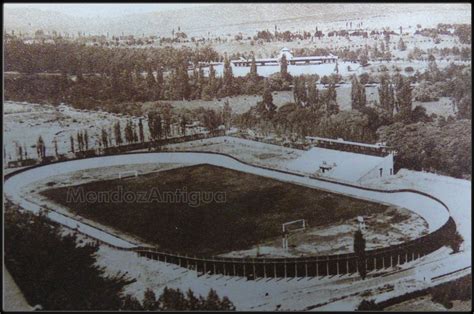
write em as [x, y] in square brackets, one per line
[127, 174]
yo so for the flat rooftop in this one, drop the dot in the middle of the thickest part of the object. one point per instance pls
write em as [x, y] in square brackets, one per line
[341, 164]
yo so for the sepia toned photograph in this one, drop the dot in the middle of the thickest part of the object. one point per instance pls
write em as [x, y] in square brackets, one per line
[237, 157]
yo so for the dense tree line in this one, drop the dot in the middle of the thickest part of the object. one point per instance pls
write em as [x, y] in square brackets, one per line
[176, 300]
[391, 119]
[440, 146]
[455, 81]
[55, 272]
[60, 273]
[121, 84]
[64, 56]
[309, 113]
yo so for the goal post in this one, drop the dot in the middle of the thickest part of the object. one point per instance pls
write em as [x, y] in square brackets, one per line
[295, 225]
[127, 174]
[291, 227]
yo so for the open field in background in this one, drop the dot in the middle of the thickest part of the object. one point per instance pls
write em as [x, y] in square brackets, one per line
[254, 210]
[241, 104]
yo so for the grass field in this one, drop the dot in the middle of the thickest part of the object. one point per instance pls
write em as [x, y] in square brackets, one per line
[254, 208]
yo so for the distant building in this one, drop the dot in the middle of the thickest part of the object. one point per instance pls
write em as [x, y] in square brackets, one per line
[345, 160]
[286, 52]
[290, 59]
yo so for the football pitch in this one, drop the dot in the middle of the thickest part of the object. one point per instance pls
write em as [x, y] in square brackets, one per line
[204, 209]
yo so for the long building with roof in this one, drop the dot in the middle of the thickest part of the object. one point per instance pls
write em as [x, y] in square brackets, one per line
[290, 59]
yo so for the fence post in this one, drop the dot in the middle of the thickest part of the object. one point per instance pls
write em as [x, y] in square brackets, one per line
[285, 268]
[275, 270]
[306, 269]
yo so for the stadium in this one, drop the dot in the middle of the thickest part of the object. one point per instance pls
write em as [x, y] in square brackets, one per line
[265, 227]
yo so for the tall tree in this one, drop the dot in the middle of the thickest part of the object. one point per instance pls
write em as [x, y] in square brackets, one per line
[55, 143]
[404, 100]
[386, 95]
[182, 81]
[268, 108]
[253, 68]
[284, 67]
[155, 125]
[359, 250]
[201, 82]
[40, 148]
[79, 141]
[210, 90]
[141, 133]
[228, 78]
[159, 82]
[71, 139]
[118, 133]
[19, 151]
[104, 138]
[331, 99]
[227, 114]
[183, 123]
[150, 303]
[313, 95]
[358, 96]
[128, 132]
[300, 94]
[401, 45]
[152, 85]
[167, 121]
[86, 140]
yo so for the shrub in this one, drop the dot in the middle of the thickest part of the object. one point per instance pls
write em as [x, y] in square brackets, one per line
[368, 306]
[455, 242]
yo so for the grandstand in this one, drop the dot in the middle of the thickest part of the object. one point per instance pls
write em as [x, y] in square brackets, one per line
[345, 160]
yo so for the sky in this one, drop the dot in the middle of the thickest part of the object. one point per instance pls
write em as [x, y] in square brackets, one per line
[103, 9]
